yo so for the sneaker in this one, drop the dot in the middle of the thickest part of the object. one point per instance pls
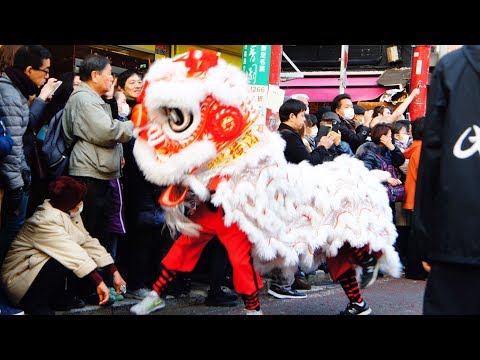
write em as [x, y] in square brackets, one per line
[357, 309]
[149, 304]
[221, 298]
[8, 310]
[282, 293]
[138, 294]
[253, 312]
[301, 284]
[114, 296]
[69, 304]
[369, 273]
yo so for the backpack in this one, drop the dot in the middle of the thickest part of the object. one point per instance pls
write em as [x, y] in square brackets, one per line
[54, 148]
[6, 141]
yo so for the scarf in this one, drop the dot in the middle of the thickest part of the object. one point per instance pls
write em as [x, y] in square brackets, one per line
[23, 83]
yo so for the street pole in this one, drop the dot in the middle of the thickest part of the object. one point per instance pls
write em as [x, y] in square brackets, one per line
[419, 78]
[343, 69]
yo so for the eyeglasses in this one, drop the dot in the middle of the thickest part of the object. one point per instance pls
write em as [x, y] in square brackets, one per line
[47, 72]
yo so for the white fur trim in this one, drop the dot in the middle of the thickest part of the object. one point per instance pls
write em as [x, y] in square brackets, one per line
[174, 168]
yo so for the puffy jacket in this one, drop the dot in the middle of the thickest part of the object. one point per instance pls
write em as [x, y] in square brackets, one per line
[14, 113]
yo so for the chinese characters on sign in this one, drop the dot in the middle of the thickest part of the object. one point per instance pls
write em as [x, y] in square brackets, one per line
[256, 63]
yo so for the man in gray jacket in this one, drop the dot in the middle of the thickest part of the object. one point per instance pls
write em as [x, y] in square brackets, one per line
[97, 153]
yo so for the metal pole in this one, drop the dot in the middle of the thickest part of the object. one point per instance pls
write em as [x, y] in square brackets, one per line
[343, 69]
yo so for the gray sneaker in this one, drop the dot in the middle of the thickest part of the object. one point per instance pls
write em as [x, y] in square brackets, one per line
[282, 293]
[149, 304]
[138, 294]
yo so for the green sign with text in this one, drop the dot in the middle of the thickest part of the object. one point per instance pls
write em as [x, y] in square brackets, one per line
[256, 63]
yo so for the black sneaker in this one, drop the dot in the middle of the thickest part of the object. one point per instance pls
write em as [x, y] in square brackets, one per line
[357, 309]
[221, 298]
[282, 293]
[369, 273]
[69, 304]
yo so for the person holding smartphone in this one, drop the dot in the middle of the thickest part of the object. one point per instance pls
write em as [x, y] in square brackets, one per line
[329, 126]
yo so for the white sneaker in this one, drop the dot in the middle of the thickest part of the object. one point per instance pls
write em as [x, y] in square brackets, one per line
[253, 312]
[149, 304]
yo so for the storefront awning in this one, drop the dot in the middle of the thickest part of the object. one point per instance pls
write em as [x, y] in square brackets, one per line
[324, 89]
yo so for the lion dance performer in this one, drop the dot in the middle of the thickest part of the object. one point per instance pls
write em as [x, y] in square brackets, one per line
[198, 132]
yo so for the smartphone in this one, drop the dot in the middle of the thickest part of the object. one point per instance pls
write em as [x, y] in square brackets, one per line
[322, 131]
[57, 85]
[335, 126]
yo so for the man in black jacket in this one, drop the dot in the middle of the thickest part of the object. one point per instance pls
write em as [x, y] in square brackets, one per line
[447, 182]
[352, 134]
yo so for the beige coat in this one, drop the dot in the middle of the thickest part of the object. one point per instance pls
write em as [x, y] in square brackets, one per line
[50, 233]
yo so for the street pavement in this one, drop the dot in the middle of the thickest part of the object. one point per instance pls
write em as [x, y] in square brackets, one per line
[387, 296]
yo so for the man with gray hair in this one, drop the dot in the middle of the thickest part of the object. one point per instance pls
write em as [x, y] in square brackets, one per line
[97, 138]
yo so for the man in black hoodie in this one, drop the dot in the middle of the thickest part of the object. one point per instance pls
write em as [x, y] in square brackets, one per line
[447, 182]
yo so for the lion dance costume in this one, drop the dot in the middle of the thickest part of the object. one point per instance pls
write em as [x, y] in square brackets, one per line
[199, 133]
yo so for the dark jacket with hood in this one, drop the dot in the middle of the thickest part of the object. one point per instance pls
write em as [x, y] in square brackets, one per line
[447, 201]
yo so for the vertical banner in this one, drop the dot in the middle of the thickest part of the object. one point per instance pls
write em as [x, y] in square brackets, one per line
[256, 64]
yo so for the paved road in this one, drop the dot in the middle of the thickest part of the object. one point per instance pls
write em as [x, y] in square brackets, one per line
[387, 296]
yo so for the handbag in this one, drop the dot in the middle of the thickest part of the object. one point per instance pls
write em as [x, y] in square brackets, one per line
[395, 193]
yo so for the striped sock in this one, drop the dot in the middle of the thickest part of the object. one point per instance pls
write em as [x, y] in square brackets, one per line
[166, 277]
[251, 301]
[349, 284]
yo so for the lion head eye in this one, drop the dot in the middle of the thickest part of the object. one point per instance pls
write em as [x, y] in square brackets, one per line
[177, 119]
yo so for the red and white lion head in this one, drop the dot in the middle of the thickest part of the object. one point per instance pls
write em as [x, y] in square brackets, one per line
[193, 119]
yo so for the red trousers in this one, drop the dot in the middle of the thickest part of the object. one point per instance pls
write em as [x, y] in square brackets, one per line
[185, 252]
[347, 258]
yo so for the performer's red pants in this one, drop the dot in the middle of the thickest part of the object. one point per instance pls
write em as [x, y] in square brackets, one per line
[185, 252]
[347, 258]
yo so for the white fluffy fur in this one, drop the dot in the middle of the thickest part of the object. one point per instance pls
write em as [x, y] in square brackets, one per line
[291, 213]
[175, 168]
[227, 84]
[187, 94]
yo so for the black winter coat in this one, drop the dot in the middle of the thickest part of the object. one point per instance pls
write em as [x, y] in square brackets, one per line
[447, 201]
[295, 151]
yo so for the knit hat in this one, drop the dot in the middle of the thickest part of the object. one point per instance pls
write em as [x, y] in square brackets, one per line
[66, 193]
[330, 116]
[359, 110]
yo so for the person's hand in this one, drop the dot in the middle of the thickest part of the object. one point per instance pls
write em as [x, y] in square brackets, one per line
[123, 162]
[12, 200]
[387, 141]
[109, 94]
[335, 136]
[426, 266]
[27, 180]
[118, 282]
[326, 142]
[394, 182]
[48, 89]
[103, 293]
[367, 118]
[415, 91]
